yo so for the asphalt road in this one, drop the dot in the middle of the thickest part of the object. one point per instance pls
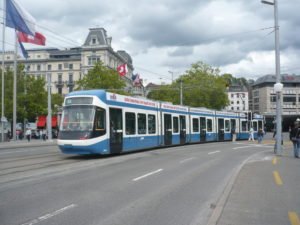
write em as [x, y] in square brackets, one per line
[169, 186]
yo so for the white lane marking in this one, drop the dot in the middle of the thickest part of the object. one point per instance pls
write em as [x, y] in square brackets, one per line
[49, 215]
[213, 152]
[248, 146]
[185, 160]
[148, 174]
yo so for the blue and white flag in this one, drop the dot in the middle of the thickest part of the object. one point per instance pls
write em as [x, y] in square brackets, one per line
[19, 19]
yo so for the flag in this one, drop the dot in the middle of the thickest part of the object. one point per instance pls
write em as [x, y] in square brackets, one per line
[122, 69]
[23, 50]
[37, 39]
[135, 79]
[18, 18]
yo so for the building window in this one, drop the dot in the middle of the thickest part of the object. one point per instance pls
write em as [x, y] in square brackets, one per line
[28, 68]
[70, 89]
[237, 108]
[59, 66]
[237, 102]
[59, 90]
[38, 56]
[232, 108]
[70, 66]
[38, 68]
[94, 41]
[232, 102]
[70, 77]
[232, 95]
[59, 78]
[93, 60]
[49, 67]
[256, 100]
[273, 98]
[289, 99]
[66, 65]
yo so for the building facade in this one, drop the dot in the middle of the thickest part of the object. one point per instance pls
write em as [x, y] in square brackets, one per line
[264, 98]
[65, 67]
[238, 98]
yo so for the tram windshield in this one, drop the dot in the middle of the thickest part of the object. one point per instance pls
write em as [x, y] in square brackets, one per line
[77, 118]
[82, 122]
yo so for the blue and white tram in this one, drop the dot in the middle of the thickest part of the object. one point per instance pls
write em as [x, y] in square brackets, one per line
[99, 122]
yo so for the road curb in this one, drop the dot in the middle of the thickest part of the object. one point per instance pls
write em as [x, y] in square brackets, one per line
[27, 144]
[214, 218]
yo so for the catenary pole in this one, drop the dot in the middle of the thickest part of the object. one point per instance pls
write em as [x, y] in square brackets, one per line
[15, 88]
[278, 84]
[2, 77]
[49, 117]
[278, 80]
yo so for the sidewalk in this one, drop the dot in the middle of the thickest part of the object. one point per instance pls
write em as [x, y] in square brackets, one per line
[266, 190]
[25, 143]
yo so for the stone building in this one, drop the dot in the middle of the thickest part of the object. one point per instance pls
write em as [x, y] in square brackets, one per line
[67, 66]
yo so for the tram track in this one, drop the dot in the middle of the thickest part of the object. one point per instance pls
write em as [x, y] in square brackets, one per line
[36, 156]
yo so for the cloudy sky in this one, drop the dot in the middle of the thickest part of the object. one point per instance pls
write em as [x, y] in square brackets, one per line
[236, 36]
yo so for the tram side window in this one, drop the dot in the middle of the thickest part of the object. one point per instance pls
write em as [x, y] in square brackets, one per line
[100, 122]
[202, 123]
[244, 125]
[259, 124]
[151, 124]
[209, 125]
[227, 125]
[130, 123]
[175, 125]
[195, 125]
[141, 123]
[100, 119]
[255, 125]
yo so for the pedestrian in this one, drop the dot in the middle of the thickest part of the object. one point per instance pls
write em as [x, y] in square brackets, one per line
[260, 135]
[251, 134]
[28, 134]
[8, 135]
[17, 135]
[44, 134]
[41, 134]
[295, 138]
[233, 136]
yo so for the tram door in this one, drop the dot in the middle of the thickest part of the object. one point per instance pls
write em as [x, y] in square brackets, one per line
[168, 129]
[116, 130]
[233, 125]
[220, 129]
[182, 129]
[202, 129]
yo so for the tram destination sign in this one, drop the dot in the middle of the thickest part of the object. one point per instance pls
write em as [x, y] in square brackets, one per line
[79, 100]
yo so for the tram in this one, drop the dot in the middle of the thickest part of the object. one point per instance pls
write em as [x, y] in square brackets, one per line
[100, 122]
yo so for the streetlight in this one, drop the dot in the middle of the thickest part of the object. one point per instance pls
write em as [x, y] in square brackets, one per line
[278, 86]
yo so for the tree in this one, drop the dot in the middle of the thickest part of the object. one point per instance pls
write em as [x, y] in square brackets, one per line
[202, 87]
[102, 77]
[31, 96]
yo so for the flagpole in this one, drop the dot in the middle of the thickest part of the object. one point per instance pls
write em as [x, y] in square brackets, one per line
[15, 87]
[3, 50]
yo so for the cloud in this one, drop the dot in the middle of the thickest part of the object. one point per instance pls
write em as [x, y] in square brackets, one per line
[174, 34]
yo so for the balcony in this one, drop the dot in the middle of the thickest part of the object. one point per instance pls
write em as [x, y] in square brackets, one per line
[59, 83]
[70, 83]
